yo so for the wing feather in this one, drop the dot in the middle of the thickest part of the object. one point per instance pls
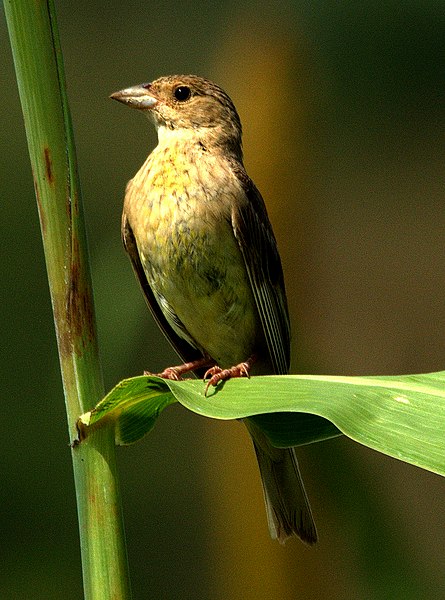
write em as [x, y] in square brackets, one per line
[258, 246]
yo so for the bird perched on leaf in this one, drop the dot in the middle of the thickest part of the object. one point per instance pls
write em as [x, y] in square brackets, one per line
[202, 246]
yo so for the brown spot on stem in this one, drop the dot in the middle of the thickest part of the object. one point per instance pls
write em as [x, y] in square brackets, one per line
[48, 165]
[63, 332]
[74, 308]
[39, 205]
[80, 312]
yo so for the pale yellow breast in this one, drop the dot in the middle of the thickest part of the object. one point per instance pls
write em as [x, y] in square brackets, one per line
[179, 206]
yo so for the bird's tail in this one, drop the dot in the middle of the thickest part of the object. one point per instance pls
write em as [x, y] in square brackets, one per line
[287, 505]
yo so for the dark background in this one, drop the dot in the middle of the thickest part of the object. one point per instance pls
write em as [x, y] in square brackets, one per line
[343, 112]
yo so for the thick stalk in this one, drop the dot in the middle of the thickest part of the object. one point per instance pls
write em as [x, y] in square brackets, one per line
[40, 76]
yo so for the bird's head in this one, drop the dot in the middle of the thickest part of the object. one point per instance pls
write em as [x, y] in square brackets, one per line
[187, 102]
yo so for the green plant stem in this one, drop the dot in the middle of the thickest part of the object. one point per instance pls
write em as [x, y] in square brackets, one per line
[39, 69]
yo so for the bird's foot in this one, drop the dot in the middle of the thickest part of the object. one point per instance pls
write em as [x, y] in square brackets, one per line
[175, 373]
[171, 373]
[215, 374]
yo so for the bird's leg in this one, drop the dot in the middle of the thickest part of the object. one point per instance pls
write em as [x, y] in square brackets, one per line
[175, 373]
[217, 374]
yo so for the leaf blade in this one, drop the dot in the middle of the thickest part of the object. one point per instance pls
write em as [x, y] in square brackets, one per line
[401, 416]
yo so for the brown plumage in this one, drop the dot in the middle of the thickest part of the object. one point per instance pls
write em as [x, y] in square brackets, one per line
[202, 246]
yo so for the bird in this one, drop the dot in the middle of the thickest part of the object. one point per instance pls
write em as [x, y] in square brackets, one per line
[200, 241]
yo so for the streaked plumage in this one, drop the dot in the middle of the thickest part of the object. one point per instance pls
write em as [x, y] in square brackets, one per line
[197, 232]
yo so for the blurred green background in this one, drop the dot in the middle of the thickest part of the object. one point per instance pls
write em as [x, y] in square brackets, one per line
[343, 113]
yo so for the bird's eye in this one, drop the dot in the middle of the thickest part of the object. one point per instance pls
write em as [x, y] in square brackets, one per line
[182, 93]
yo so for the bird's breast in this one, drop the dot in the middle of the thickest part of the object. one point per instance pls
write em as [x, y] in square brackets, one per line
[179, 208]
[180, 212]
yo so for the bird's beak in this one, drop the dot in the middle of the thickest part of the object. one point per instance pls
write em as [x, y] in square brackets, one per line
[137, 96]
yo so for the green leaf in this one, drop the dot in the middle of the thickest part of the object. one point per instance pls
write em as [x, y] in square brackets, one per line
[402, 416]
[133, 406]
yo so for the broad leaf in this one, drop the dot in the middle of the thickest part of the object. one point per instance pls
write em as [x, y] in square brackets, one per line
[402, 416]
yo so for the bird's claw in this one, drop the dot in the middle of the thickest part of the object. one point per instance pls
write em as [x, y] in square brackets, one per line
[170, 373]
[176, 373]
[216, 374]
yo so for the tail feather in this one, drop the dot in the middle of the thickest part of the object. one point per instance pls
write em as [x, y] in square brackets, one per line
[287, 505]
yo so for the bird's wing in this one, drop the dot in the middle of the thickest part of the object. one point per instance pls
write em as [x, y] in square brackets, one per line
[185, 350]
[258, 246]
